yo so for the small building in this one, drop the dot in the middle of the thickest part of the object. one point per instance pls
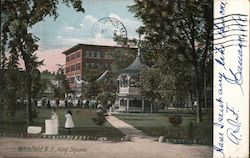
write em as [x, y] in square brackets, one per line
[129, 96]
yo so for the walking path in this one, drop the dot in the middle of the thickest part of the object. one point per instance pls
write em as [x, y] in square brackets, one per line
[127, 129]
[141, 146]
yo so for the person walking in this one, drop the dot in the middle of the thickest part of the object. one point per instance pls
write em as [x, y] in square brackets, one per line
[69, 121]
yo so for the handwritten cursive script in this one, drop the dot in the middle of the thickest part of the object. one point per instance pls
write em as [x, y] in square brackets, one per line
[230, 40]
[233, 131]
[235, 76]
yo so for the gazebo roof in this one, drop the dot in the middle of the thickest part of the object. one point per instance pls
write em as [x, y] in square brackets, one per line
[136, 66]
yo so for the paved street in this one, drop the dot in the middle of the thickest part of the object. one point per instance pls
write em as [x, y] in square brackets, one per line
[141, 146]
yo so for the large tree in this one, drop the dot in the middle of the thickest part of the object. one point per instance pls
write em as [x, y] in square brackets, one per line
[63, 87]
[10, 89]
[178, 29]
[123, 57]
[17, 17]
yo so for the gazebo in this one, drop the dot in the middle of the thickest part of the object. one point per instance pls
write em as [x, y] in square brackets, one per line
[129, 96]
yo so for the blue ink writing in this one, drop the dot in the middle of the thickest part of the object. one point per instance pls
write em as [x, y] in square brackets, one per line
[221, 26]
[220, 146]
[230, 42]
[236, 77]
[221, 115]
[221, 60]
[233, 132]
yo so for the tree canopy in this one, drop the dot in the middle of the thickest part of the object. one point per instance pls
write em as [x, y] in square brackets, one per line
[17, 17]
[123, 57]
[178, 43]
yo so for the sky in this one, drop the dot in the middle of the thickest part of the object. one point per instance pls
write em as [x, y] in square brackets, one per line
[71, 28]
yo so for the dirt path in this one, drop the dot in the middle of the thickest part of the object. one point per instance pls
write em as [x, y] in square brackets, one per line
[141, 146]
[38, 148]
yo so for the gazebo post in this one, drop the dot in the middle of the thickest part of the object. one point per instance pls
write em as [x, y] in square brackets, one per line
[127, 104]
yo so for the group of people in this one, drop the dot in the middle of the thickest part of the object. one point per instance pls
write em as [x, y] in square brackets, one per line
[67, 103]
[57, 103]
[69, 123]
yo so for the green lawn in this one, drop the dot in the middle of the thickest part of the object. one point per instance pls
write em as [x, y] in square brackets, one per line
[82, 120]
[157, 124]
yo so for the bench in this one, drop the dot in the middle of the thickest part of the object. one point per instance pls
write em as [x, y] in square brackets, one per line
[34, 129]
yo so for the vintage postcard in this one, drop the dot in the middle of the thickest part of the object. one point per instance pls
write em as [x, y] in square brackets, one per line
[128, 79]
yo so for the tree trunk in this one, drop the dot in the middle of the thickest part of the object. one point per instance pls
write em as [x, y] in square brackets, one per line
[205, 91]
[1, 95]
[198, 107]
[198, 97]
[151, 108]
[28, 96]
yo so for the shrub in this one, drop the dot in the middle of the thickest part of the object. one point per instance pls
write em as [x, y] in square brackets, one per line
[34, 113]
[175, 120]
[100, 117]
[175, 132]
[190, 130]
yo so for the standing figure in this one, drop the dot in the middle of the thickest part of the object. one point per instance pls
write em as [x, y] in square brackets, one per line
[48, 104]
[61, 103]
[66, 104]
[87, 104]
[69, 121]
[84, 103]
[55, 123]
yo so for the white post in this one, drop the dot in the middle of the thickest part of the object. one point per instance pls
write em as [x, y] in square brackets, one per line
[127, 105]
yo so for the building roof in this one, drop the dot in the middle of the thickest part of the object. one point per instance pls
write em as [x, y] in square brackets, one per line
[136, 66]
[79, 46]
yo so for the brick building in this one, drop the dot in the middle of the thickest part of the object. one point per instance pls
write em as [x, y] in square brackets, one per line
[85, 56]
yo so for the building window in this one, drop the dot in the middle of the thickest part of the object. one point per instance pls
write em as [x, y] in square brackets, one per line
[123, 102]
[73, 56]
[72, 68]
[98, 54]
[124, 81]
[107, 55]
[78, 54]
[68, 58]
[92, 65]
[133, 81]
[87, 53]
[77, 66]
[92, 54]
[86, 65]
